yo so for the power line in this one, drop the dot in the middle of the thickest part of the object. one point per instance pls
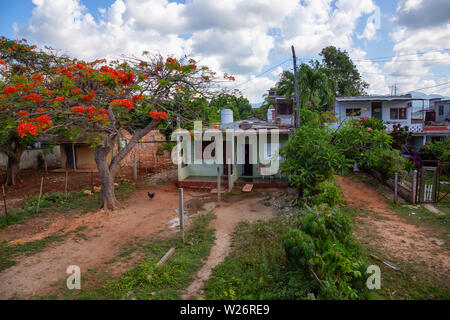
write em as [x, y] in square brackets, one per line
[400, 55]
[438, 85]
[406, 75]
[262, 73]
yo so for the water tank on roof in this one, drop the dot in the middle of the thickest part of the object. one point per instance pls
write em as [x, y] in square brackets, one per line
[226, 115]
[270, 115]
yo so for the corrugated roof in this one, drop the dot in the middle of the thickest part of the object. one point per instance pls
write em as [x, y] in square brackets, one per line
[406, 97]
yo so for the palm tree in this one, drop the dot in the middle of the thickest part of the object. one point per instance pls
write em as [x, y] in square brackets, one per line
[316, 90]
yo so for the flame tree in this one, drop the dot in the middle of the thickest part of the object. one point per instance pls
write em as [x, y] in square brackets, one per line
[97, 100]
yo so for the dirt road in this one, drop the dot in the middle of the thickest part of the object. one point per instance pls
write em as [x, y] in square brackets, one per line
[397, 237]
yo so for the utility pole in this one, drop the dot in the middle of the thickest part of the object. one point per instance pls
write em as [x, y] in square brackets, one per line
[297, 102]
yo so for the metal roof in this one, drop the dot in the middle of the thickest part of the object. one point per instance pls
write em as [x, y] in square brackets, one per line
[406, 97]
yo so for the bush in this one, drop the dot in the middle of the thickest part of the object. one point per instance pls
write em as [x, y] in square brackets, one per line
[324, 250]
[388, 162]
[438, 150]
[325, 192]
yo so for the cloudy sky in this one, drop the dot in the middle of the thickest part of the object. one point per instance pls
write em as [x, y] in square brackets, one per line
[403, 42]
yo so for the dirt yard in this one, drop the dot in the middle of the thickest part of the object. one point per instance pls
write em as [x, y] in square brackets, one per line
[106, 233]
[394, 235]
[228, 216]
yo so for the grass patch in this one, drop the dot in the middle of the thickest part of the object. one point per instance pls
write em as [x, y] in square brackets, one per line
[9, 253]
[255, 269]
[57, 202]
[411, 282]
[146, 281]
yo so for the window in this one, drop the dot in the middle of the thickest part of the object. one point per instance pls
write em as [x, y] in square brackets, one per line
[284, 108]
[355, 112]
[441, 110]
[398, 113]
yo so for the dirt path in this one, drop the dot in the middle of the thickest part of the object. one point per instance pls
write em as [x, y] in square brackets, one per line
[106, 234]
[392, 234]
[228, 217]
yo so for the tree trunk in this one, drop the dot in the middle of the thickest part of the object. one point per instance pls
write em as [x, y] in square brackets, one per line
[107, 172]
[12, 171]
[107, 175]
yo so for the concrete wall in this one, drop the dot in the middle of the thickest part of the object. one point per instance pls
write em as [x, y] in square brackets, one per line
[29, 158]
[445, 115]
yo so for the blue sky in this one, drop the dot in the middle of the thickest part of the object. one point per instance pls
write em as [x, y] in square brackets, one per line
[250, 38]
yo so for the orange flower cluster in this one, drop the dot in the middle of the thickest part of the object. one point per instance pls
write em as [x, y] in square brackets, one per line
[38, 77]
[58, 99]
[9, 90]
[92, 113]
[35, 97]
[137, 97]
[33, 126]
[126, 103]
[89, 96]
[158, 115]
[76, 91]
[119, 76]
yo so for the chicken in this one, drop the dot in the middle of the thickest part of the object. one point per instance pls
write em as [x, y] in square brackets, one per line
[150, 195]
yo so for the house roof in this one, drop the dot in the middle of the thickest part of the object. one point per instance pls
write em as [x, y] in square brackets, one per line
[406, 97]
[255, 123]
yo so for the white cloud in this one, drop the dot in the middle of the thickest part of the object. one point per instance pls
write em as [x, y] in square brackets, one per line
[233, 36]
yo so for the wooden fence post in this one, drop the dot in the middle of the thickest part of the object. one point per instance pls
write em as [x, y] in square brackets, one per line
[65, 184]
[4, 203]
[396, 188]
[181, 211]
[414, 187]
[229, 177]
[40, 194]
[134, 167]
[218, 185]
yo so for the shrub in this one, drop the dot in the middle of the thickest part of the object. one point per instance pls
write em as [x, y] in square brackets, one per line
[325, 251]
[325, 192]
[388, 162]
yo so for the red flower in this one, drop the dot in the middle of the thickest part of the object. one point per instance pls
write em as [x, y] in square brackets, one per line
[126, 103]
[137, 97]
[90, 96]
[42, 110]
[24, 128]
[77, 109]
[9, 90]
[58, 99]
[76, 91]
[38, 78]
[158, 115]
[35, 97]
[23, 113]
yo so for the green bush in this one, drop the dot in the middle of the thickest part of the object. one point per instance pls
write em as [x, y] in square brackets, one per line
[438, 150]
[324, 250]
[325, 192]
[388, 162]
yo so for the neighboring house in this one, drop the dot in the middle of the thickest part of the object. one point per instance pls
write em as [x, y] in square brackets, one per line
[78, 155]
[29, 159]
[283, 113]
[441, 110]
[391, 109]
[243, 169]
[396, 110]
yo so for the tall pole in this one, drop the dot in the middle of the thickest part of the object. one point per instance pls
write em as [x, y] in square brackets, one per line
[297, 101]
[181, 212]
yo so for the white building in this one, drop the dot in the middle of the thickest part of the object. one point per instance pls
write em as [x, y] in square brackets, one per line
[395, 110]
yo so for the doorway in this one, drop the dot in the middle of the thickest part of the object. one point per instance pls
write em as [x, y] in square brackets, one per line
[70, 157]
[247, 167]
[377, 110]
